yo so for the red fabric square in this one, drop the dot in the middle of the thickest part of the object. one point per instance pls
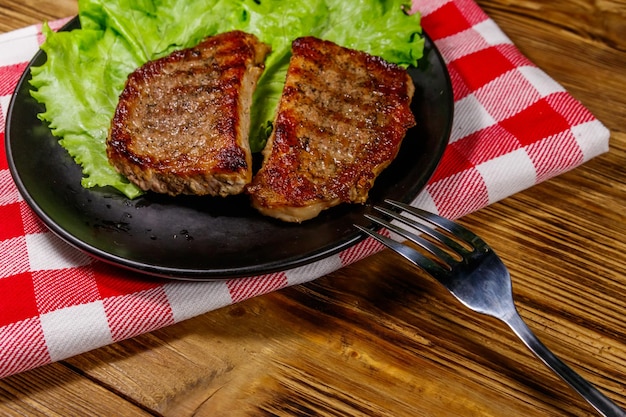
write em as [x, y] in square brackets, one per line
[445, 21]
[10, 221]
[9, 76]
[552, 154]
[17, 299]
[482, 66]
[241, 289]
[486, 144]
[459, 194]
[459, 87]
[56, 289]
[112, 281]
[23, 347]
[570, 108]
[32, 223]
[138, 313]
[452, 162]
[536, 122]
[4, 164]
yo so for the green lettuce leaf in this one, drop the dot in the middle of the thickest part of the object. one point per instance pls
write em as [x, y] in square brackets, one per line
[86, 69]
[77, 86]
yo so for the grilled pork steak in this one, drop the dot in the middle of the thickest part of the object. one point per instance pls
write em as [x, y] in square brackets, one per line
[182, 122]
[340, 122]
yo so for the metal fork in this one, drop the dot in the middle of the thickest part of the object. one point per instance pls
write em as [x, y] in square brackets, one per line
[476, 276]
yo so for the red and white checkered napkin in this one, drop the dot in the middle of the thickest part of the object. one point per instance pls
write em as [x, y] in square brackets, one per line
[514, 127]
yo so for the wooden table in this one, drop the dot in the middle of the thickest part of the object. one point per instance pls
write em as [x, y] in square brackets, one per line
[378, 338]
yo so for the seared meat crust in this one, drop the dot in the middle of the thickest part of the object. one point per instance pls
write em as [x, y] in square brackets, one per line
[340, 122]
[182, 122]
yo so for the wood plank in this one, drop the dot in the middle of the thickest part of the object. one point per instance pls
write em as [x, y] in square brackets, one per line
[15, 14]
[603, 21]
[55, 390]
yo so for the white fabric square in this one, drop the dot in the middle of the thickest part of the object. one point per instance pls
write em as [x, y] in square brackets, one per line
[8, 190]
[18, 46]
[492, 34]
[461, 44]
[470, 117]
[542, 82]
[506, 95]
[189, 299]
[46, 251]
[595, 130]
[74, 330]
[460, 193]
[306, 273]
[427, 7]
[14, 259]
[4, 104]
[426, 202]
[507, 174]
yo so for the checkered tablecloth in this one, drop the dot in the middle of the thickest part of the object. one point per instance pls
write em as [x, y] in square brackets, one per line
[514, 127]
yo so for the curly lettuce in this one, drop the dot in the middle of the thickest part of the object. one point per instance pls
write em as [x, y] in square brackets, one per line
[86, 68]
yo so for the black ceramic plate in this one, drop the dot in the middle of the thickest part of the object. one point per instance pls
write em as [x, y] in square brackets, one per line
[204, 237]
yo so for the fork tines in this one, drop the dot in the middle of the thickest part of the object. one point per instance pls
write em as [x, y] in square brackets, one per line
[445, 250]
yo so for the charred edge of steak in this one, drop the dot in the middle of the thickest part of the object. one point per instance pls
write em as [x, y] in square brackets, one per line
[181, 125]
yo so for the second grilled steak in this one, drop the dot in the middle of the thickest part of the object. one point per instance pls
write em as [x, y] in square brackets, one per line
[341, 120]
[182, 122]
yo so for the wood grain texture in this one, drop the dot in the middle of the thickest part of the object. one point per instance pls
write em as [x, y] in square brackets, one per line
[57, 391]
[16, 14]
[378, 338]
[603, 21]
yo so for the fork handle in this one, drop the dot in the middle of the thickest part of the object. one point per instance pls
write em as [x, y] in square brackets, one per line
[599, 401]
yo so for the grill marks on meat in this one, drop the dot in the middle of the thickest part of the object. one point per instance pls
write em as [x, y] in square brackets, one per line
[181, 125]
[340, 122]
[182, 122]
